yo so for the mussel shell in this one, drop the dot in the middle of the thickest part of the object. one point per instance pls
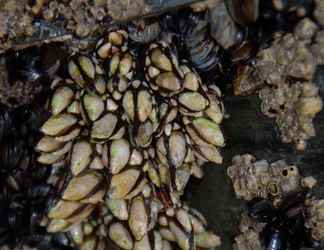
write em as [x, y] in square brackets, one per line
[243, 12]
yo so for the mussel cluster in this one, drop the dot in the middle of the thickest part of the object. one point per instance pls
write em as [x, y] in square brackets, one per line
[127, 140]
[24, 191]
[293, 224]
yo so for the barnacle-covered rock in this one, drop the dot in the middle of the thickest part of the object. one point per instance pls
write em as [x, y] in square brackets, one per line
[249, 237]
[252, 178]
[318, 47]
[314, 218]
[305, 30]
[15, 22]
[287, 57]
[319, 11]
[248, 81]
[282, 76]
[28, 23]
[294, 107]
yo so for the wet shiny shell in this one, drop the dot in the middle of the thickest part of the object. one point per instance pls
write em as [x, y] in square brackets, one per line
[80, 186]
[58, 124]
[122, 183]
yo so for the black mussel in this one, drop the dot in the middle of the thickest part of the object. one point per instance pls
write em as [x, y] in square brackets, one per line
[275, 239]
[24, 65]
[5, 124]
[17, 219]
[243, 53]
[23, 195]
[243, 12]
[28, 119]
[20, 218]
[51, 57]
[223, 28]
[169, 22]
[144, 30]
[292, 206]
[4, 235]
[11, 154]
[316, 245]
[40, 191]
[319, 78]
[25, 73]
[201, 48]
[58, 241]
[261, 210]
[284, 224]
[33, 63]
[39, 173]
[21, 122]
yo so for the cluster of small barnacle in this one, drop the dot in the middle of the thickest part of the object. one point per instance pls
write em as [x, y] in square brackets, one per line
[292, 98]
[249, 237]
[287, 67]
[282, 75]
[34, 21]
[83, 17]
[260, 179]
[128, 147]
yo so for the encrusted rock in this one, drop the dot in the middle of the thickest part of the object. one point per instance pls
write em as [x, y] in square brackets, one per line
[249, 237]
[315, 218]
[252, 178]
[294, 107]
